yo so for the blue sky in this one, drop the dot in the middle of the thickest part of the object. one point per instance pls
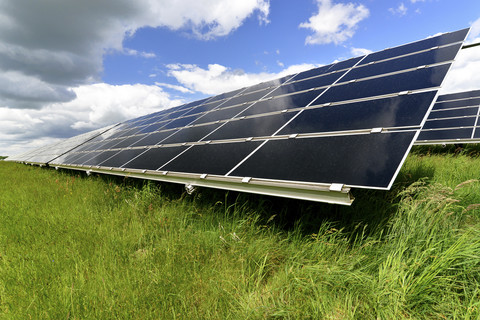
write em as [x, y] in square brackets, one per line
[68, 66]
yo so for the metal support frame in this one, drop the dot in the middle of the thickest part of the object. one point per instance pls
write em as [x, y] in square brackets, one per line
[472, 45]
[302, 191]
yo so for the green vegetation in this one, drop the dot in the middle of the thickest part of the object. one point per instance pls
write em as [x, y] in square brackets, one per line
[2, 157]
[77, 247]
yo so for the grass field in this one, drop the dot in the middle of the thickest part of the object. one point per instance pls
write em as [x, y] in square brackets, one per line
[77, 247]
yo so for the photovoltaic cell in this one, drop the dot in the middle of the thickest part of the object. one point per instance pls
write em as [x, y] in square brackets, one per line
[181, 122]
[412, 61]
[153, 139]
[441, 135]
[351, 160]
[311, 73]
[191, 134]
[215, 159]
[247, 97]
[450, 104]
[154, 158]
[220, 114]
[302, 85]
[412, 80]
[457, 112]
[450, 123]
[459, 96]
[151, 128]
[96, 158]
[122, 157]
[251, 127]
[444, 39]
[405, 110]
[345, 64]
[295, 100]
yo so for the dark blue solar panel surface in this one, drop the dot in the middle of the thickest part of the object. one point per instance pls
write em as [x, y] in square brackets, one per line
[351, 160]
[396, 111]
[459, 95]
[215, 159]
[344, 96]
[441, 135]
[412, 80]
[440, 40]
[454, 118]
[251, 127]
[153, 159]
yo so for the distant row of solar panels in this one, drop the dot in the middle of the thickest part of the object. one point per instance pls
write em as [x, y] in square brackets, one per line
[453, 119]
[312, 135]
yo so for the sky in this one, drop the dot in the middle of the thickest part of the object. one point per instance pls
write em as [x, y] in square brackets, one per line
[69, 66]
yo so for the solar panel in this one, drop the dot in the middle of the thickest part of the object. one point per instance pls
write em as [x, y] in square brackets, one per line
[312, 135]
[453, 119]
[48, 153]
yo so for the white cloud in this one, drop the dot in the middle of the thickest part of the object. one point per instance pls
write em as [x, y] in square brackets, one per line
[95, 106]
[62, 42]
[206, 19]
[465, 74]
[474, 35]
[360, 51]
[133, 52]
[174, 87]
[334, 23]
[217, 79]
[401, 10]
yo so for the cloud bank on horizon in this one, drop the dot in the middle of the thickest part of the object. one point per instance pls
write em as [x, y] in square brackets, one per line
[53, 56]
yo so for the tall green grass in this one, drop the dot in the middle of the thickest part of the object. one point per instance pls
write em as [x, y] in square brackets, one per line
[97, 247]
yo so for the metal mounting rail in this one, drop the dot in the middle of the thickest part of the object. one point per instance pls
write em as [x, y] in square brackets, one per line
[468, 46]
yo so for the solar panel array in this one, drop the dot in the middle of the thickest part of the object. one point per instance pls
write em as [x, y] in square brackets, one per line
[453, 119]
[347, 124]
[48, 153]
